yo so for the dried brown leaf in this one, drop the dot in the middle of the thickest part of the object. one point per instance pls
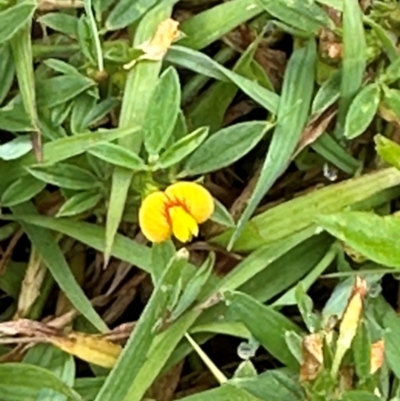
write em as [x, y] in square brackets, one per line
[313, 357]
[377, 356]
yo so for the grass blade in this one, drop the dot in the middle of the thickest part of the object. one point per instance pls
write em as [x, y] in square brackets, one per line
[298, 213]
[204, 28]
[46, 245]
[93, 236]
[354, 59]
[119, 381]
[292, 116]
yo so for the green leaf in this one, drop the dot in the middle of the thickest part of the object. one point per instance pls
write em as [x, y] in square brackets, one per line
[273, 385]
[64, 148]
[53, 359]
[225, 147]
[14, 18]
[305, 305]
[21, 45]
[371, 235]
[60, 22]
[392, 73]
[204, 28]
[223, 393]
[390, 323]
[293, 111]
[14, 118]
[362, 111]
[385, 38]
[12, 278]
[58, 362]
[362, 351]
[357, 395]
[7, 71]
[96, 113]
[126, 12]
[61, 67]
[202, 64]
[88, 387]
[221, 215]
[162, 111]
[118, 156]
[21, 381]
[134, 355]
[333, 152]
[354, 59]
[16, 148]
[60, 89]
[79, 203]
[388, 150]
[327, 94]
[45, 243]
[182, 148]
[65, 175]
[21, 190]
[161, 254]
[304, 15]
[265, 324]
[193, 287]
[211, 107]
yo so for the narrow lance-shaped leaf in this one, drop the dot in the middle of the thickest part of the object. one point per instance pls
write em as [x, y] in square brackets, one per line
[14, 18]
[362, 111]
[21, 190]
[354, 59]
[79, 203]
[182, 148]
[225, 147]
[162, 111]
[295, 102]
[65, 176]
[118, 156]
[266, 325]
[21, 45]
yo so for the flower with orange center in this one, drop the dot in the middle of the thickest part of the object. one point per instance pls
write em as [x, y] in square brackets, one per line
[177, 211]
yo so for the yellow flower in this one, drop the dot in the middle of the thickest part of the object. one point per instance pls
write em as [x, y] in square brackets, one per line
[177, 211]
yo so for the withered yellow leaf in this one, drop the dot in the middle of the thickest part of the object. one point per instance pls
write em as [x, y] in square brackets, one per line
[154, 49]
[90, 348]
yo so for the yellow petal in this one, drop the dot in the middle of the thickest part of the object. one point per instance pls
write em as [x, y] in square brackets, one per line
[184, 226]
[194, 197]
[153, 219]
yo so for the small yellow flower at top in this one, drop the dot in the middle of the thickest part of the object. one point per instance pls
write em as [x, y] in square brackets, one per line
[177, 211]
